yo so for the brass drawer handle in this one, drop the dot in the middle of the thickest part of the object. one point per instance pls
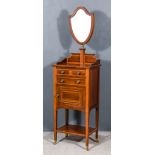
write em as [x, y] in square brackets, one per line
[57, 95]
[62, 72]
[78, 73]
[78, 81]
[62, 80]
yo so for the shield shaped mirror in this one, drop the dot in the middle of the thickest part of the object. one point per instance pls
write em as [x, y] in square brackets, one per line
[81, 24]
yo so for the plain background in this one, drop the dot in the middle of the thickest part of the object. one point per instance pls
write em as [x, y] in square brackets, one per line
[21, 77]
[58, 43]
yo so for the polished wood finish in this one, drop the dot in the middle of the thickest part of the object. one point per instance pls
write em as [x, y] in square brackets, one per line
[82, 56]
[76, 87]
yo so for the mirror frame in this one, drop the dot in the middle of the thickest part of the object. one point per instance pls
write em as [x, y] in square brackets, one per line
[91, 29]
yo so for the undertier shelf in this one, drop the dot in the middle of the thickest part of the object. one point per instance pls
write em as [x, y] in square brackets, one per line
[75, 130]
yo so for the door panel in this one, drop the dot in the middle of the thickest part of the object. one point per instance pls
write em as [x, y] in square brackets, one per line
[71, 97]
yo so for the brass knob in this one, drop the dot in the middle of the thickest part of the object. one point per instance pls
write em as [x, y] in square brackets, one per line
[78, 73]
[62, 80]
[62, 72]
[57, 95]
[78, 81]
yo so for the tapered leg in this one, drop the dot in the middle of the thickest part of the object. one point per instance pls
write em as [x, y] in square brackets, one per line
[56, 95]
[87, 107]
[97, 120]
[55, 126]
[87, 129]
[97, 108]
[66, 118]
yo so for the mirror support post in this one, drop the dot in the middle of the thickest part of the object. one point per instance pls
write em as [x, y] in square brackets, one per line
[82, 56]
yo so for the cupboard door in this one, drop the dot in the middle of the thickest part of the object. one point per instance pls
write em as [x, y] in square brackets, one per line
[71, 97]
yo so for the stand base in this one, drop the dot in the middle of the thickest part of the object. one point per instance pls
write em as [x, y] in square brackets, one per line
[82, 56]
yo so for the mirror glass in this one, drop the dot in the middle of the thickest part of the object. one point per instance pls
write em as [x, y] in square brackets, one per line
[81, 25]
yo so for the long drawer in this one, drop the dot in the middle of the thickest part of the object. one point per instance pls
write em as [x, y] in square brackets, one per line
[70, 81]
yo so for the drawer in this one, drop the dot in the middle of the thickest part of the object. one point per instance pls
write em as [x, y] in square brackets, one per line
[63, 71]
[78, 72]
[70, 81]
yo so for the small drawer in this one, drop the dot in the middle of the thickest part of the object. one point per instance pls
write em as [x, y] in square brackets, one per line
[78, 72]
[63, 71]
[72, 81]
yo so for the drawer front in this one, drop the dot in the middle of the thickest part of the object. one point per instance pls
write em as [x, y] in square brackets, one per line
[71, 72]
[70, 81]
[78, 72]
[63, 71]
[71, 97]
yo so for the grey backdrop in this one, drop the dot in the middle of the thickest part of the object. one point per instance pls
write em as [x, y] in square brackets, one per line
[58, 43]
